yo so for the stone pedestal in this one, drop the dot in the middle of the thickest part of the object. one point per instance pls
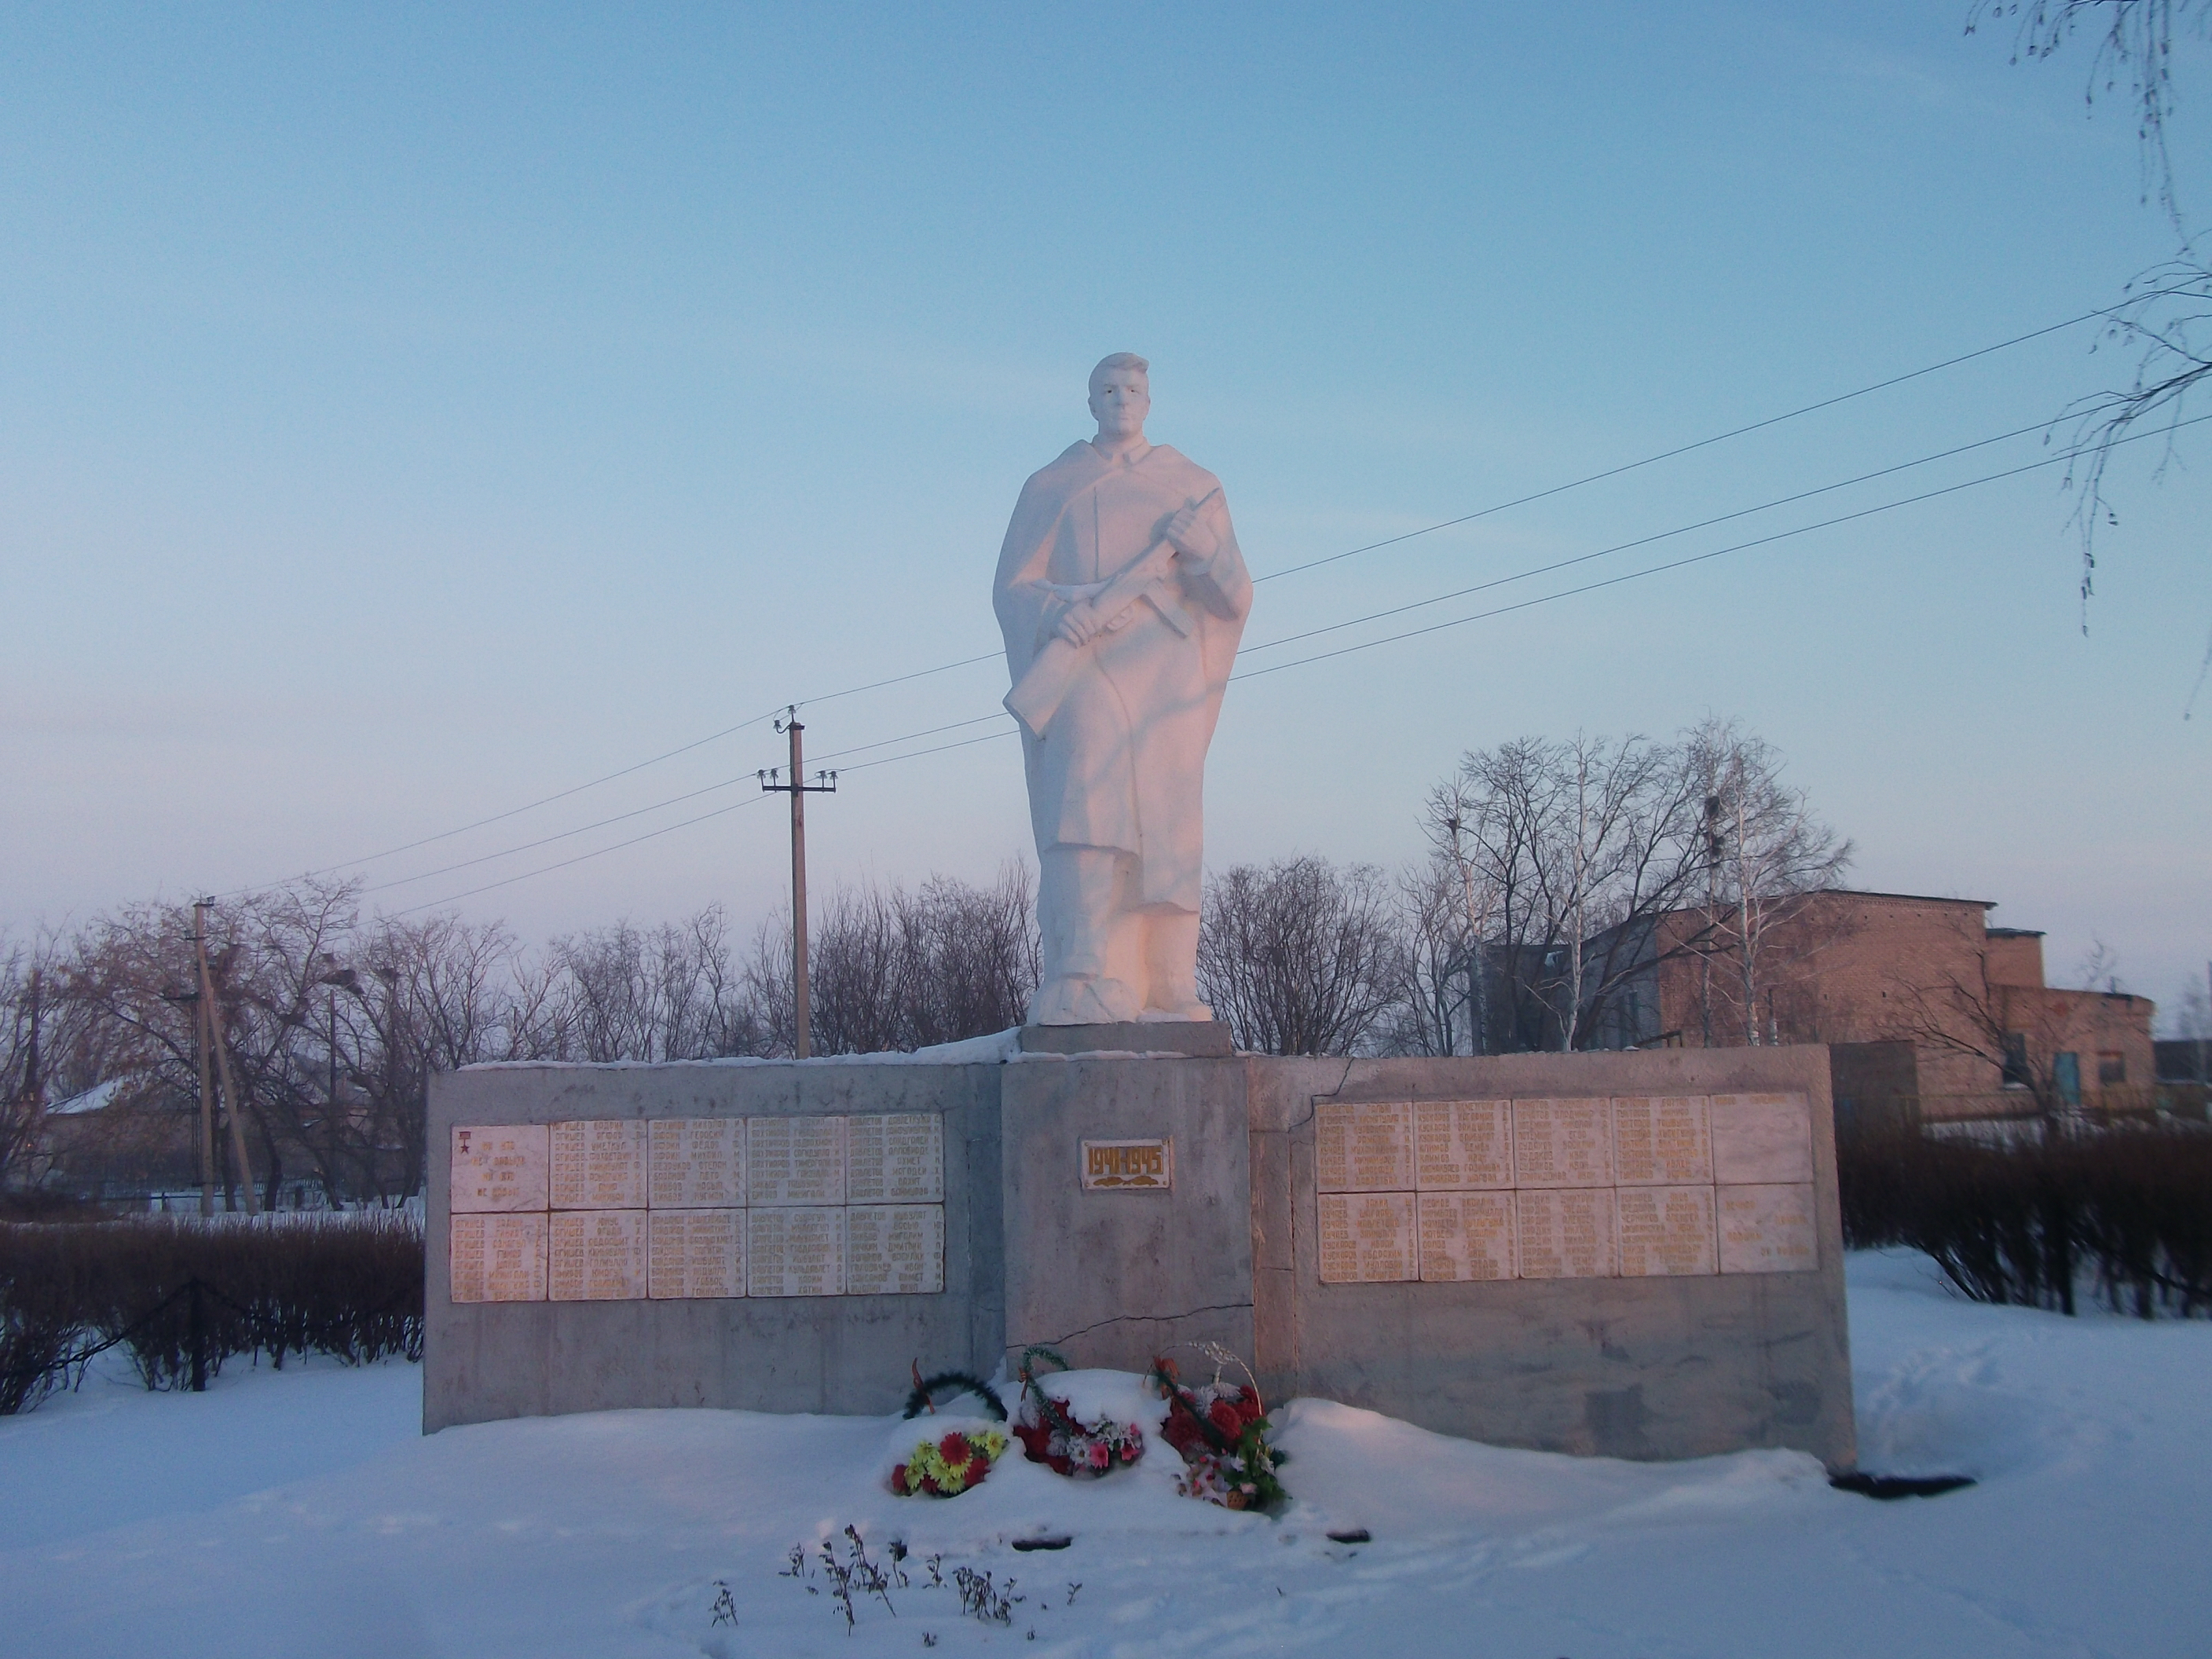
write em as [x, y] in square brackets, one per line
[1128, 1206]
[1626, 1254]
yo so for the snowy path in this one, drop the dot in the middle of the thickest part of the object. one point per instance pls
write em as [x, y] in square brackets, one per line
[300, 1512]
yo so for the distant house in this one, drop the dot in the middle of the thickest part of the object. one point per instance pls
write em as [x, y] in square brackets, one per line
[1923, 1000]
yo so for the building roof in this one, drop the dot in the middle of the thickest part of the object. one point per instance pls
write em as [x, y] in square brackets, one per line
[2015, 932]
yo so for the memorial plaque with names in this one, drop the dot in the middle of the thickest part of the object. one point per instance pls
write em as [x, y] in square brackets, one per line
[1666, 1232]
[1127, 1166]
[1563, 1143]
[894, 1250]
[795, 1160]
[497, 1257]
[798, 1251]
[1564, 1234]
[599, 1163]
[1768, 1229]
[1364, 1146]
[697, 1163]
[695, 1253]
[1368, 1238]
[896, 1158]
[1462, 1145]
[1466, 1235]
[498, 1167]
[596, 1256]
[1762, 1139]
[1661, 1141]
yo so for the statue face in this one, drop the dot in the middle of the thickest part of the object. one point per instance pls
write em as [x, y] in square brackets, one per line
[1120, 399]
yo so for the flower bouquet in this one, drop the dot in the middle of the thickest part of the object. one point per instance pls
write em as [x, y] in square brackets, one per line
[1220, 1429]
[1053, 1435]
[948, 1467]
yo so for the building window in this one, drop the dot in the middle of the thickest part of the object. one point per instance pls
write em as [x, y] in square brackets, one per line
[2017, 1074]
[2111, 1068]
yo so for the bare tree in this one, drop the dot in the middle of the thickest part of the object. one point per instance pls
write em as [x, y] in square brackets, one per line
[1766, 855]
[2169, 307]
[1300, 957]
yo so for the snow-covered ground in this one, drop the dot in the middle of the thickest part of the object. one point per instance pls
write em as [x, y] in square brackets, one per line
[300, 1512]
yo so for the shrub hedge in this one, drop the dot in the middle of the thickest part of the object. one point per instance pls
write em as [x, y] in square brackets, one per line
[182, 1295]
[2120, 1216]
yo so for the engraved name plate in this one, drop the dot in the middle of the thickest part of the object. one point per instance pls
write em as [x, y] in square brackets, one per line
[1564, 1234]
[1367, 1238]
[1466, 1235]
[596, 1256]
[795, 1160]
[895, 1250]
[1563, 1143]
[1364, 1147]
[1666, 1231]
[1768, 1229]
[1762, 1139]
[1661, 1141]
[499, 1166]
[697, 1163]
[1127, 1166]
[896, 1158]
[599, 1163]
[1463, 1144]
[497, 1257]
[795, 1251]
[695, 1253]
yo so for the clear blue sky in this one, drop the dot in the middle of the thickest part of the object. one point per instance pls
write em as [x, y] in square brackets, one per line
[406, 412]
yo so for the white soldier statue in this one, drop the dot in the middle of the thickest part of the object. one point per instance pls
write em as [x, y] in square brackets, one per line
[1121, 593]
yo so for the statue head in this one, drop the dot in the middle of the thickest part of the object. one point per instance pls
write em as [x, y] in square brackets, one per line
[1120, 394]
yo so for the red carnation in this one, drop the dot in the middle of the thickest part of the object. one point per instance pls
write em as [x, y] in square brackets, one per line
[954, 1449]
[1225, 1418]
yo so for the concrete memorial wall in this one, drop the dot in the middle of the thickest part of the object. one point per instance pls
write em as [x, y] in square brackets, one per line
[1634, 1254]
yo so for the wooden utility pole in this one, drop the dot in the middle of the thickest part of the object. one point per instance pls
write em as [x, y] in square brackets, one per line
[204, 1063]
[825, 783]
[211, 1014]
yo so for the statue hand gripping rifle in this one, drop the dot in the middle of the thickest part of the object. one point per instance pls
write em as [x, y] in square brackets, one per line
[1121, 593]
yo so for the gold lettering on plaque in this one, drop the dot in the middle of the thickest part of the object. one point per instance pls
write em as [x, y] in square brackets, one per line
[1368, 1238]
[596, 1256]
[1363, 1145]
[1661, 1141]
[1459, 1145]
[894, 1250]
[895, 1157]
[497, 1257]
[795, 1160]
[697, 1162]
[1563, 1143]
[1127, 1166]
[1762, 1139]
[795, 1251]
[697, 1252]
[1768, 1229]
[1666, 1232]
[1466, 1235]
[498, 1166]
[1565, 1234]
[599, 1163]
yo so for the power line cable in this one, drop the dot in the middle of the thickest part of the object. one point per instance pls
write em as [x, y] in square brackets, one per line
[986, 656]
[1645, 541]
[1368, 644]
[1700, 558]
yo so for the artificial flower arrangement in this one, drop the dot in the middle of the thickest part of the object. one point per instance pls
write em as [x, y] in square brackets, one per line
[1220, 1429]
[947, 1468]
[949, 1465]
[1053, 1435]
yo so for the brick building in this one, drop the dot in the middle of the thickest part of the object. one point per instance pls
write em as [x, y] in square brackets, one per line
[1922, 1000]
